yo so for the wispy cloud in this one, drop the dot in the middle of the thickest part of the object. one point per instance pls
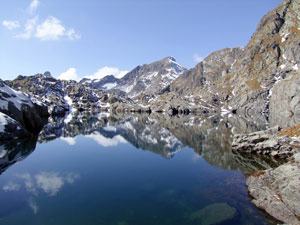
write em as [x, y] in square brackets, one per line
[69, 140]
[197, 58]
[33, 6]
[70, 74]
[104, 71]
[11, 186]
[52, 29]
[11, 24]
[28, 29]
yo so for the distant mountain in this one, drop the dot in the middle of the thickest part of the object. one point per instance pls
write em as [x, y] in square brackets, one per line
[106, 83]
[150, 79]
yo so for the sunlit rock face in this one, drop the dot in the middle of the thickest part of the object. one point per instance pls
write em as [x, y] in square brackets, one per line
[150, 80]
[260, 79]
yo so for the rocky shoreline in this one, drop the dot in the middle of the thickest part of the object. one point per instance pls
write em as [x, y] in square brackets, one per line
[275, 190]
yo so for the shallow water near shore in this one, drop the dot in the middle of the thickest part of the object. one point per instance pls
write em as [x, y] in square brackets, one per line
[131, 170]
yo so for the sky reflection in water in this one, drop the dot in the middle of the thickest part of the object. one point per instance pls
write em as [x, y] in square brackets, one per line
[99, 173]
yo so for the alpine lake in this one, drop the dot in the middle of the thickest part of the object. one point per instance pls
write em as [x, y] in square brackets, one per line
[133, 169]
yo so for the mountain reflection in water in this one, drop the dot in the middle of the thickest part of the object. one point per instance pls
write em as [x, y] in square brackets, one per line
[210, 137]
[96, 176]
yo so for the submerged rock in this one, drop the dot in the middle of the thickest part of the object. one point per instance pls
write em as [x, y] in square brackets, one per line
[213, 214]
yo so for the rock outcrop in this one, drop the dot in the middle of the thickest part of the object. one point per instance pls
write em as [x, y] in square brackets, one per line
[62, 97]
[277, 191]
[19, 116]
[266, 143]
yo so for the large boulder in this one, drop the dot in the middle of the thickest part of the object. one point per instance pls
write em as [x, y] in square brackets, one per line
[277, 191]
[19, 115]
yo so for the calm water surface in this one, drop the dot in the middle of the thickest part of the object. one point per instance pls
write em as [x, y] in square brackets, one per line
[134, 170]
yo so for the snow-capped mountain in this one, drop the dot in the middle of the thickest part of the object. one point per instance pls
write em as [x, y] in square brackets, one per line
[106, 83]
[150, 79]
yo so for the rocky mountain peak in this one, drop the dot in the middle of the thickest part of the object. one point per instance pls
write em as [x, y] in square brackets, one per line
[150, 79]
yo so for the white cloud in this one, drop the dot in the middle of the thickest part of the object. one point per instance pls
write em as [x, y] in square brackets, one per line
[197, 58]
[106, 142]
[49, 182]
[104, 71]
[48, 30]
[33, 205]
[33, 6]
[29, 182]
[29, 28]
[71, 34]
[52, 29]
[70, 74]
[71, 177]
[69, 140]
[11, 186]
[11, 24]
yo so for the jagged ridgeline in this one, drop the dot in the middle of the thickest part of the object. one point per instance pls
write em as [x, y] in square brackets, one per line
[261, 79]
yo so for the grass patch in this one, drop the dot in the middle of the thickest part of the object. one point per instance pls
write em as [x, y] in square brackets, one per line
[254, 85]
[258, 173]
[291, 131]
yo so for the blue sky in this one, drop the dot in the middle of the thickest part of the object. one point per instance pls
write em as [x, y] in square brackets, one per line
[78, 38]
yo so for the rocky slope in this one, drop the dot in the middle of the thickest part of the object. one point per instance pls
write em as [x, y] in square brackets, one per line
[147, 81]
[265, 78]
[195, 89]
[62, 96]
[262, 78]
[19, 116]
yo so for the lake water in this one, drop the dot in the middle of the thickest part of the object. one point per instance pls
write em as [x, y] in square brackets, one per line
[129, 170]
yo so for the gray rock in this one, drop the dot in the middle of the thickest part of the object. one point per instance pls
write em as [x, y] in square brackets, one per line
[213, 214]
[277, 191]
[265, 143]
[23, 116]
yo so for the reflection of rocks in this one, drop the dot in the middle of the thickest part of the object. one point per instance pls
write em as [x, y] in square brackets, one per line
[277, 191]
[213, 214]
[14, 151]
[160, 133]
